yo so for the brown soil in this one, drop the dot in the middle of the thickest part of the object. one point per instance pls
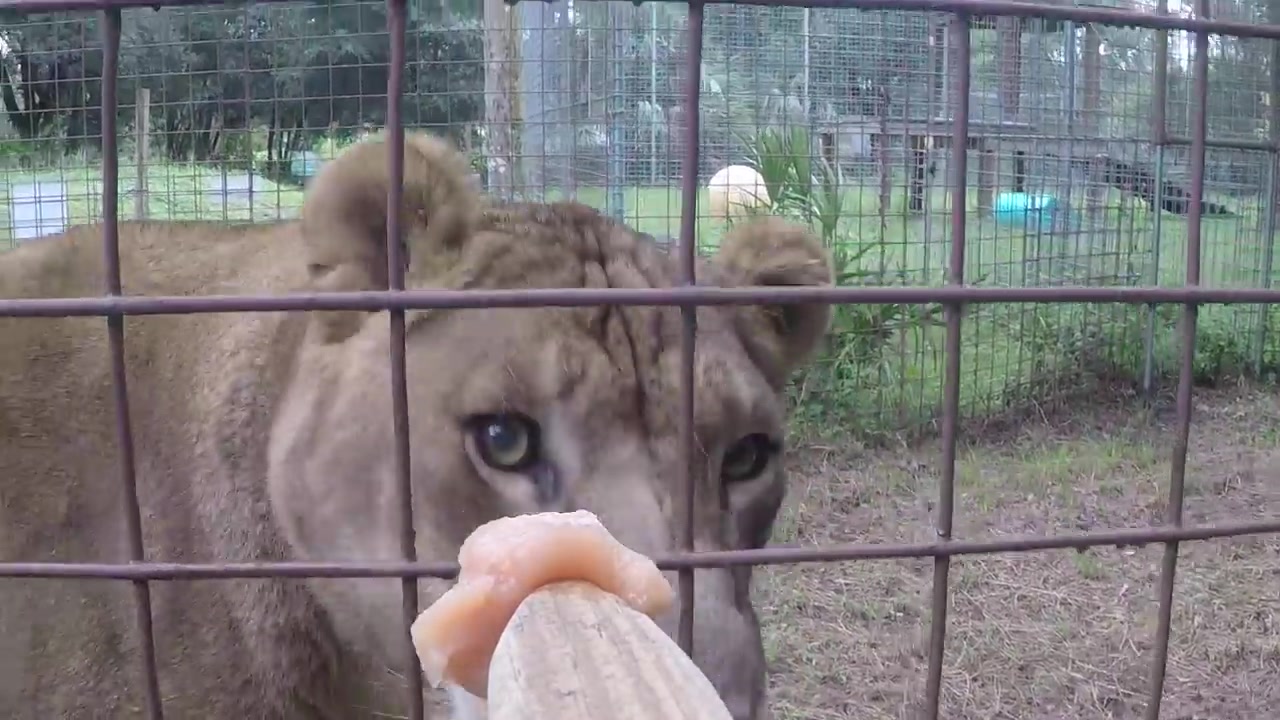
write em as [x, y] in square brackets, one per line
[1049, 635]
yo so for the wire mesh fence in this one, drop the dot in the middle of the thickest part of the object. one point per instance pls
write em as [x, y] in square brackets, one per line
[1042, 155]
[241, 105]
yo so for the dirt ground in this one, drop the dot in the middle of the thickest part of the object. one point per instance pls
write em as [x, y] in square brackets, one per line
[1055, 634]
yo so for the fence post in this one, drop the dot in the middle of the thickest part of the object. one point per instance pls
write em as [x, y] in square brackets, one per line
[1272, 189]
[1159, 139]
[1153, 310]
[1268, 247]
[986, 178]
[142, 147]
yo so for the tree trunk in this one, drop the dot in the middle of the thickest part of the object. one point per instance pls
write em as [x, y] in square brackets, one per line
[501, 83]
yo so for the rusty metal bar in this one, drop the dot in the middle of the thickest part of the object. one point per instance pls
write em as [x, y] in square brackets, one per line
[1011, 8]
[1182, 432]
[115, 340]
[689, 313]
[396, 21]
[1215, 143]
[1160, 80]
[1222, 143]
[1171, 140]
[951, 371]
[1272, 189]
[1008, 8]
[1129, 537]
[579, 297]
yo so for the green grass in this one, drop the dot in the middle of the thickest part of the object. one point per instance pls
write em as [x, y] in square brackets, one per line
[175, 192]
[1011, 354]
[1232, 248]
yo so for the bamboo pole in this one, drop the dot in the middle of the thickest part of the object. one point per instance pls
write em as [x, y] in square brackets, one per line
[575, 652]
[142, 151]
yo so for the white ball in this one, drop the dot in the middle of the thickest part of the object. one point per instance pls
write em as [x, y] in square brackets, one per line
[735, 189]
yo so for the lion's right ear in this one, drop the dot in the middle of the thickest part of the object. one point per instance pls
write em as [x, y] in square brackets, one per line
[770, 251]
[344, 219]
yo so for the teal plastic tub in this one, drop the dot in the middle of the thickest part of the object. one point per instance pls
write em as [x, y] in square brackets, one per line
[1026, 209]
[304, 165]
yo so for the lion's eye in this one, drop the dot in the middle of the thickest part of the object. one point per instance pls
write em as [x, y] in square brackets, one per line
[508, 442]
[747, 458]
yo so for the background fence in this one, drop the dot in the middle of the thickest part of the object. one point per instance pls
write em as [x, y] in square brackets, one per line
[245, 102]
[1084, 123]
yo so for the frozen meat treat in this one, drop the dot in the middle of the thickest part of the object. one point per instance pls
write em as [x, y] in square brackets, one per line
[501, 563]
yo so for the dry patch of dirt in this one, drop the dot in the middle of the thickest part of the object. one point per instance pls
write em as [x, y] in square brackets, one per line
[1049, 635]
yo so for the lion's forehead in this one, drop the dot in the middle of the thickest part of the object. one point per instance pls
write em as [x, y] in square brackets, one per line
[617, 366]
[622, 368]
[568, 244]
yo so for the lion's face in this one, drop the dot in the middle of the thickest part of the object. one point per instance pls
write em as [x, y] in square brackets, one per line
[525, 410]
[519, 411]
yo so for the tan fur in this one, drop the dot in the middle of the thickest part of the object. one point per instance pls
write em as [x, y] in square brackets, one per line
[265, 437]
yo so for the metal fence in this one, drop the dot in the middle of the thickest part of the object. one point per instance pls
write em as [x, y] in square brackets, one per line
[958, 296]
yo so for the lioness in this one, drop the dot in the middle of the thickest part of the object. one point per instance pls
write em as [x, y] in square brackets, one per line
[267, 437]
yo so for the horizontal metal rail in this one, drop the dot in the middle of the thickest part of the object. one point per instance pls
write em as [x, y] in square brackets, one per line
[773, 555]
[579, 297]
[998, 8]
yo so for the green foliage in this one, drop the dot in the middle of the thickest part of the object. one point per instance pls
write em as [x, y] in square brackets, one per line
[1226, 343]
[297, 70]
[29, 154]
[881, 371]
[1111, 341]
[857, 362]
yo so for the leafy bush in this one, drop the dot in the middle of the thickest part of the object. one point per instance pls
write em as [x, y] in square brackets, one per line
[855, 366]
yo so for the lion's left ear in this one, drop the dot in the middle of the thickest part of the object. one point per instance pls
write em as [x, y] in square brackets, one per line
[770, 251]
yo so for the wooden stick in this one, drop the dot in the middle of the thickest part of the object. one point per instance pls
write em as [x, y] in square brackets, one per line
[142, 150]
[575, 652]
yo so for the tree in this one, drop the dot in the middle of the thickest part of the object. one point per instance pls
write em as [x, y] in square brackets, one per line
[295, 70]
